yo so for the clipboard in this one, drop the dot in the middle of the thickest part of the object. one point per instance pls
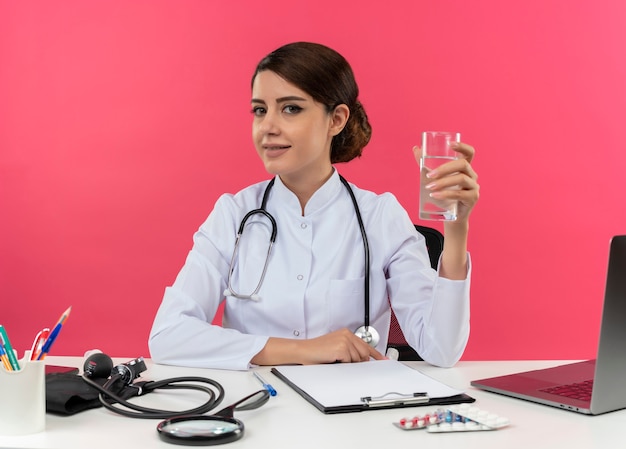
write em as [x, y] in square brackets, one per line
[374, 385]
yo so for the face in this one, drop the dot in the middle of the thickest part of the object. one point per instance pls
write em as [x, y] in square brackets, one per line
[292, 132]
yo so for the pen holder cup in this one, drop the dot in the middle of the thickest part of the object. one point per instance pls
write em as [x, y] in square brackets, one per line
[23, 398]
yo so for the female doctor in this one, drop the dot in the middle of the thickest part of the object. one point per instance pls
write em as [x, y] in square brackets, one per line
[300, 301]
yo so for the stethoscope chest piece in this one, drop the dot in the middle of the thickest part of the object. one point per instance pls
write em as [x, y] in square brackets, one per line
[368, 334]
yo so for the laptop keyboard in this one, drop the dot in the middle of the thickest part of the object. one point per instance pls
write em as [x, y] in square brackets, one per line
[578, 390]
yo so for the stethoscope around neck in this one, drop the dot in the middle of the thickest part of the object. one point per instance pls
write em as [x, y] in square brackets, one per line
[366, 332]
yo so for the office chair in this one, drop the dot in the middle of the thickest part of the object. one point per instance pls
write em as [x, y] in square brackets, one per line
[434, 244]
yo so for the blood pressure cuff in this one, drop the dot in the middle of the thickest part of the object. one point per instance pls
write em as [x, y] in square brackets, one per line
[68, 394]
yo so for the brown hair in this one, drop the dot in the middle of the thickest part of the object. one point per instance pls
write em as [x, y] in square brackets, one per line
[326, 76]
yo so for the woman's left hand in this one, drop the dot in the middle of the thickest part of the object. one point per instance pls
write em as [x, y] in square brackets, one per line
[455, 180]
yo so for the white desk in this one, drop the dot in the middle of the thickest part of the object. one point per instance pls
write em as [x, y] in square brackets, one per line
[289, 421]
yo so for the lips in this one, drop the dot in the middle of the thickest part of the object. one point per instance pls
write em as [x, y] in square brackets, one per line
[275, 150]
[275, 147]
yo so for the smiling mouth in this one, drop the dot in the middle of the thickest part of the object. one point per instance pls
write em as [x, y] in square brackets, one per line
[276, 147]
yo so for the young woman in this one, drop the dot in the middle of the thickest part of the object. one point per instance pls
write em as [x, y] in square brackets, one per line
[301, 300]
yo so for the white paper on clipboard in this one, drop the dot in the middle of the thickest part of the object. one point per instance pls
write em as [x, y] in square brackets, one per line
[345, 384]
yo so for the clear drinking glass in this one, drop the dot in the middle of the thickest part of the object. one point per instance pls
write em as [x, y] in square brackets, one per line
[436, 150]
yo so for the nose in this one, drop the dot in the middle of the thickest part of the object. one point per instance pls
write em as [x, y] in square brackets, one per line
[267, 124]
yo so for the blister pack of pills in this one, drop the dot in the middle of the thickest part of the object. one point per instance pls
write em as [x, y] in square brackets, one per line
[457, 418]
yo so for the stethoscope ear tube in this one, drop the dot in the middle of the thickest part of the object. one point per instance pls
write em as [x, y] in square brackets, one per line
[254, 296]
[365, 332]
[255, 212]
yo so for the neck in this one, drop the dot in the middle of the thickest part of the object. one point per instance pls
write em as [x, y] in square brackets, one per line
[304, 188]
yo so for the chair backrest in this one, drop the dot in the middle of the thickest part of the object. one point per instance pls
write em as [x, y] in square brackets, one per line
[434, 244]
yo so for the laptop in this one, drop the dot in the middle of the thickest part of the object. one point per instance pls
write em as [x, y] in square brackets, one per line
[591, 387]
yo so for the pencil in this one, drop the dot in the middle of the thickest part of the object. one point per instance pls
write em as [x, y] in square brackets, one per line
[65, 315]
[8, 349]
[5, 359]
[53, 335]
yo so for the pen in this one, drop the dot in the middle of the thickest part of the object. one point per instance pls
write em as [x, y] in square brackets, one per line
[5, 359]
[48, 343]
[267, 386]
[8, 349]
[40, 339]
[53, 335]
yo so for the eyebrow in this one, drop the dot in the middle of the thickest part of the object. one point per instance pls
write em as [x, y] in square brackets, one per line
[281, 99]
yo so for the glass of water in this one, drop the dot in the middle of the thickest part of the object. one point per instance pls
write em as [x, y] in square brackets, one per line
[436, 151]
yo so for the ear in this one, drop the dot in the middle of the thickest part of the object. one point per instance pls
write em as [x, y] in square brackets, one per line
[338, 119]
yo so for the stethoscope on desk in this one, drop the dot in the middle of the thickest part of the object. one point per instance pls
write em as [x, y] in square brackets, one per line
[184, 427]
[366, 332]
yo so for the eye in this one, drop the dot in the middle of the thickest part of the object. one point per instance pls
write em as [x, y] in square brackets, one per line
[258, 110]
[292, 109]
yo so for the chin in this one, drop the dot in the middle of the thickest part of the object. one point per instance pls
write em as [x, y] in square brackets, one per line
[273, 168]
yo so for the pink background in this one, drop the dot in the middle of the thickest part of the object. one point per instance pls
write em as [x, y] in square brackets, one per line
[121, 122]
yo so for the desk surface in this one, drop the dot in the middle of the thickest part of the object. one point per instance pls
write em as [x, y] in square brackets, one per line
[289, 421]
